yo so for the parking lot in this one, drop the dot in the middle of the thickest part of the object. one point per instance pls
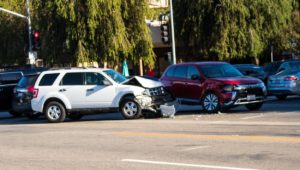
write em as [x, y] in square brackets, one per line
[235, 140]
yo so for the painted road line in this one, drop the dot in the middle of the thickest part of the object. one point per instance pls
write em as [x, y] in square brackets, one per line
[194, 148]
[184, 164]
[204, 136]
[252, 117]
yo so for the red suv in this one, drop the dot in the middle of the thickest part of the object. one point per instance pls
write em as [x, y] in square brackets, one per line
[214, 85]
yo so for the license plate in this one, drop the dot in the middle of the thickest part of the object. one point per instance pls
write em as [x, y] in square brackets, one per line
[251, 97]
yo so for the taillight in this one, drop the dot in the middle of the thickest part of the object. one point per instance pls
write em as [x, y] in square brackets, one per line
[290, 78]
[33, 91]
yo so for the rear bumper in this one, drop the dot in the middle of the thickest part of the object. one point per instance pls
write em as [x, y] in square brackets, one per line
[21, 107]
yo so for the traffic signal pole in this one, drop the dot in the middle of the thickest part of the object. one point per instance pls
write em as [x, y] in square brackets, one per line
[31, 57]
[172, 33]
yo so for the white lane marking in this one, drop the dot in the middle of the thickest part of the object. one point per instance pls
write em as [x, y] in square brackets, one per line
[184, 164]
[194, 148]
[253, 117]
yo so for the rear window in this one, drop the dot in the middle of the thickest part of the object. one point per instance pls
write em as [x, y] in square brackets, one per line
[289, 72]
[27, 81]
[10, 78]
[48, 79]
[295, 64]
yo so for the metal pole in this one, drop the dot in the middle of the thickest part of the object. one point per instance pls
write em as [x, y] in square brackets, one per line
[30, 53]
[173, 33]
[271, 53]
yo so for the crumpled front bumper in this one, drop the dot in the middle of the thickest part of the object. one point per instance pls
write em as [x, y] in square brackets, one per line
[153, 103]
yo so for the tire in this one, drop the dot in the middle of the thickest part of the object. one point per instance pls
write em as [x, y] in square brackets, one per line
[15, 114]
[130, 108]
[33, 115]
[254, 106]
[281, 97]
[210, 103]
[75, 116]
[55, 112]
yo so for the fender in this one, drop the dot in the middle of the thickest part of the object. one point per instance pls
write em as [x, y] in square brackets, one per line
[59, 96]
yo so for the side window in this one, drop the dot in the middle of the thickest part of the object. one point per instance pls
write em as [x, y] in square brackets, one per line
[73, 79]
[192, 71]
[48, 79]
[94, 79]
[170, 72]
[180, 72]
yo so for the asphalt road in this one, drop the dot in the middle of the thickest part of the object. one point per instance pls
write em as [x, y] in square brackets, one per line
[235, 140]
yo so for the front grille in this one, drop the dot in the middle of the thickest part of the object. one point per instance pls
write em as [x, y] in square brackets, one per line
[157, 91]
[250, 91]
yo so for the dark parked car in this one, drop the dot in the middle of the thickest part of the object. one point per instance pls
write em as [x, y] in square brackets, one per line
[23, 93]
[8, 80]
[285, 83]
[251, 70]
[214, 85]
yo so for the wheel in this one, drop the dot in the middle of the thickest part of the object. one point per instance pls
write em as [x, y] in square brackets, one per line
[130, 109]
[210, 103]
[15, 114]
[33, 115]
[281, 97]
[55, 112]
[75, 116]
[254, 106]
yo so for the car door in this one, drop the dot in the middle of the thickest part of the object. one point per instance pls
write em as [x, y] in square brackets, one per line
[72, 87]
[193, 85]
[179, 81]
[98, 94]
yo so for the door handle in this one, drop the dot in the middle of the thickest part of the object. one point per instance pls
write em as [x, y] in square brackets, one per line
[62, 90]
[90, 90]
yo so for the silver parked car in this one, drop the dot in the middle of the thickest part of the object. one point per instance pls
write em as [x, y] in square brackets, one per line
[285, 83]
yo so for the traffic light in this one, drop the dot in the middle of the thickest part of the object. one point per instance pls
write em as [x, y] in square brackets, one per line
[165, 35]
[36, 45]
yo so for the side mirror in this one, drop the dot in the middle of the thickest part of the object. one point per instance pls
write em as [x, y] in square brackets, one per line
[195, 77]
[106, 83]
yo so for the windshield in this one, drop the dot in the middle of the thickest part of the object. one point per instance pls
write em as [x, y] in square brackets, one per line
[219, 71]
[117, 77]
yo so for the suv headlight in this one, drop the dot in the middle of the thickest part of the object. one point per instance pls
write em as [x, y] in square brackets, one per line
[228, 88]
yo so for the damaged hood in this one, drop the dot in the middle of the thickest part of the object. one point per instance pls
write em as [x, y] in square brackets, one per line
[142, 82]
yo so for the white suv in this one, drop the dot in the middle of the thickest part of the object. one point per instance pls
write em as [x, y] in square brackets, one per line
[74, 92]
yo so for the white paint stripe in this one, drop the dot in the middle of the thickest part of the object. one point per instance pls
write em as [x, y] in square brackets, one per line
[199, 147]
[183, 164]
[252, 117]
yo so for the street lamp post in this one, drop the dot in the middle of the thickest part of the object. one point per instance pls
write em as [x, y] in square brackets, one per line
[172, 33]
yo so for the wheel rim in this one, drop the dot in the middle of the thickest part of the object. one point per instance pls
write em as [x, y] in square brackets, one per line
[54, 112]
[210, 102]
[130, 109]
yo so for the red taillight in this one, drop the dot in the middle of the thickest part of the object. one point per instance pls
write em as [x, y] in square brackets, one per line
[290, 78]
[33, 91]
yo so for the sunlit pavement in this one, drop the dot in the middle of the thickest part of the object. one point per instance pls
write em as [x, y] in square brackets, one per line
[237, 139]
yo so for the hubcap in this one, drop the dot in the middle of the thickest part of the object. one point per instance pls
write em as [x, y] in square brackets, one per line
[130, 109]
[54, 112]
[210, 102]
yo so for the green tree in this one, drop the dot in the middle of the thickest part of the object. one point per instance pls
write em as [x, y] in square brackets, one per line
[228, 29]
[13, 34]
